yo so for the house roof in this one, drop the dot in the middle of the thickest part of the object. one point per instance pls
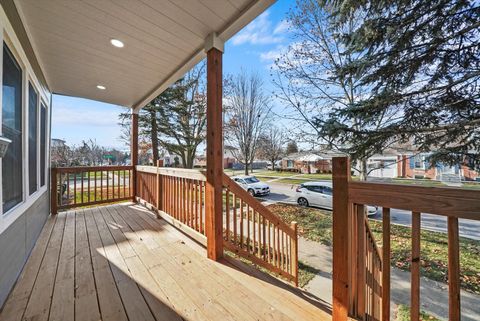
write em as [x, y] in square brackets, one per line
[310, 158]
[162, 40]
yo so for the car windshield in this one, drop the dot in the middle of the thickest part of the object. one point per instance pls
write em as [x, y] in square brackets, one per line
[251, 180]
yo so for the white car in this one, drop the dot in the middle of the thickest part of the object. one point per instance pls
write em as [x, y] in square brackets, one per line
[319, 194]
[252, 185]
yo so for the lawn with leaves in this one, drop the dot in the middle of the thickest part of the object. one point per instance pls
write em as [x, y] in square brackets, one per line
[403, 314]
[316, 225]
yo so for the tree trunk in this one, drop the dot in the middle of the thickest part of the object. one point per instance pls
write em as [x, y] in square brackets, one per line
[246, 168]
[363, 169]
[154, 134]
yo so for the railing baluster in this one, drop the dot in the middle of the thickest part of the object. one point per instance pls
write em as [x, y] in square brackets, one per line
[294, 252]
[415, 268]
[75, 188]
[360, 259]
[241, 223]
[248, 228]
[68, 188]
[453, 270]
[202, 203]
[386, 264]
[227, 212]
[234, 219]
[118, 184]
[108, 184]
[88, 186]
[264, 248]
[254, 214]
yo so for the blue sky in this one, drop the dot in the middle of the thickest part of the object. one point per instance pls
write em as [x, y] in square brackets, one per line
[253, 49]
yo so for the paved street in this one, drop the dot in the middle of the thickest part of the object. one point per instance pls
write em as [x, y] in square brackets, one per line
[286, 193]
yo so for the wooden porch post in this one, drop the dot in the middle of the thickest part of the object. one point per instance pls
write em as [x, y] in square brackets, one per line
[134, 154]
[214, 186]
[341, 264]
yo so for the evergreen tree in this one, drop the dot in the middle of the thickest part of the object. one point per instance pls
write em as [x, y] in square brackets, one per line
[291, 148]
[421, 61]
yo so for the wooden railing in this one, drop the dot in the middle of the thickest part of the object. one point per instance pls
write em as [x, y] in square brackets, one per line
[178, 193]
[250, 229]
[83, 186]
[367, 295]
[253, 232]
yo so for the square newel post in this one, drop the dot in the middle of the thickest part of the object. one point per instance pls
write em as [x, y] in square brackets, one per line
[134, 154]
[341, 264]
[214, 185]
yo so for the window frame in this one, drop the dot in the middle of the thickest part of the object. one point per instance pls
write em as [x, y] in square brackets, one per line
[37, 129]
[9, 39]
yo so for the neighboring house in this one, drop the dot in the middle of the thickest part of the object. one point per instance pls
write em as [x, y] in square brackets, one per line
[308, 162]
[410, 164]
[229, 158]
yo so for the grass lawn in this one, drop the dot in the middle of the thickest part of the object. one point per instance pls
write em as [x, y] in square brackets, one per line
[403, 314]
[292, 181]
[471, 186]
[316, 225]
[318, 176]
[422, 182]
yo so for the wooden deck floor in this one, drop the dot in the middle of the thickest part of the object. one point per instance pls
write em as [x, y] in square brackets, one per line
[119, 262]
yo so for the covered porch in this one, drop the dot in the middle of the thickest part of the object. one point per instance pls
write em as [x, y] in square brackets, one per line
[120, 262]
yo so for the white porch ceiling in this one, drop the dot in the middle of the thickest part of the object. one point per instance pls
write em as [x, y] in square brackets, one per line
[163, 39]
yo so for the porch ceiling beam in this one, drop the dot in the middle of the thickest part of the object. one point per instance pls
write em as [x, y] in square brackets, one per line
[229, 30]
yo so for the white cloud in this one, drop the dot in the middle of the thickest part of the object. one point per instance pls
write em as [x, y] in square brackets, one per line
[281, 27]
[259, 31]
[273, 54]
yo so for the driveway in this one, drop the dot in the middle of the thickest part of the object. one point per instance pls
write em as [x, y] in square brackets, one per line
[285, 193]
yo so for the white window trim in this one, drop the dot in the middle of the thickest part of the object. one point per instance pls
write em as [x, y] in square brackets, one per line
[9, 38]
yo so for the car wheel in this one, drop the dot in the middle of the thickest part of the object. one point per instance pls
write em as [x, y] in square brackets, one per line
[251, 192]
[302, 201]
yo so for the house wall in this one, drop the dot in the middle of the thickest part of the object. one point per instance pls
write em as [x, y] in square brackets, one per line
[17, 242]
[469, 174]
[21, 225]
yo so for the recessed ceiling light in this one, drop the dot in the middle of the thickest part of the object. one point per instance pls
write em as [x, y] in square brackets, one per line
[117, 43]
[101, 87]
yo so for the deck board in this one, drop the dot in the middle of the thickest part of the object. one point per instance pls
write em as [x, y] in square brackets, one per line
[120, 262]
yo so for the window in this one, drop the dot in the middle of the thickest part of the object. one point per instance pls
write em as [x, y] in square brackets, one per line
[419, 162]
[32, 138]
[289, 163]
[43, 143]
[327, 190]
[12, 129]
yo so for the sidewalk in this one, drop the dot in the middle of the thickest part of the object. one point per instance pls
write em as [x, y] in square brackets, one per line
[433, 294]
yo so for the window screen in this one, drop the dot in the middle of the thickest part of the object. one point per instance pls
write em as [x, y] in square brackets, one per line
[32, 138]
[43, 143]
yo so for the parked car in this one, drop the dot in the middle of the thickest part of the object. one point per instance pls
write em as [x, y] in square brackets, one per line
[252, 185]
[319, 194]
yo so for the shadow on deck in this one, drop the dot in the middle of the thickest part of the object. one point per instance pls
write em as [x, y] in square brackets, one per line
[120, 262]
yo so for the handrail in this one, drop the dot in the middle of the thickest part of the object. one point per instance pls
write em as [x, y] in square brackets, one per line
[253, 232]
[445, 201]
[256, 205]
[89, 185]
[78, 169]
